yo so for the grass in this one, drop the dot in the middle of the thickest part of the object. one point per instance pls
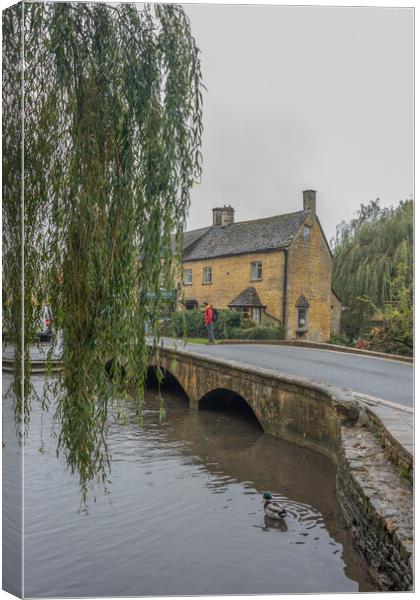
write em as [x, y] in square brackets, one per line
[379, 438]
[403, 473]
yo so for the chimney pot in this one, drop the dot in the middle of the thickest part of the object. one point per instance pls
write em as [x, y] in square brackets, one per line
[228, 215]
[223, 216]
[309, 201]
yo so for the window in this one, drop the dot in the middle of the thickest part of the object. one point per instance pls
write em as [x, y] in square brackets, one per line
[207, 275]
[256, 314]
[302, 318]
[306, 233]
[187, 276]
[191, 304]
[256, 270]
[302, 306]
[243, 310]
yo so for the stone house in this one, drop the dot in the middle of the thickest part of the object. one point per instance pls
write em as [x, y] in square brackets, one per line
[275, 269]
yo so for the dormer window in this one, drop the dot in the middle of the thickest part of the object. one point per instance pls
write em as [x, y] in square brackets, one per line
[306, 233]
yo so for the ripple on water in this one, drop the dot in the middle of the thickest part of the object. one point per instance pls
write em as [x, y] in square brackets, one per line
[185, 514]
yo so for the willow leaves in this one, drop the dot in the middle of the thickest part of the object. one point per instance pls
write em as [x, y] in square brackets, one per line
[112, 111]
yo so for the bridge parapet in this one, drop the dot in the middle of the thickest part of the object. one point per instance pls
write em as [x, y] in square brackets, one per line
[324, 418]
[293, 408]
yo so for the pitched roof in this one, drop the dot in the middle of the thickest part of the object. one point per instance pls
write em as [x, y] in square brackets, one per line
[190, 237]
[247, 297]
[243, 237]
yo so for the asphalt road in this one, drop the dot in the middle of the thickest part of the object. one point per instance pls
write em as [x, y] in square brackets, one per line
[386, 379]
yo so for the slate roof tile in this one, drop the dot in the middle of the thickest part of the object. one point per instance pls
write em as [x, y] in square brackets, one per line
[243, 237]
[190, 237]
[248, 297]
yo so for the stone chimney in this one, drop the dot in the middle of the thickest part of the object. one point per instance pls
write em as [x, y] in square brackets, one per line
[309, 201]
[217, 216]
[223, 216]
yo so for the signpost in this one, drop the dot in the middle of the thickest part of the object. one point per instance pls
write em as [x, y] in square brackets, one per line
[162, 294]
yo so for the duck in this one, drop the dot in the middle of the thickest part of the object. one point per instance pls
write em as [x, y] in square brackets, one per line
[272, 509]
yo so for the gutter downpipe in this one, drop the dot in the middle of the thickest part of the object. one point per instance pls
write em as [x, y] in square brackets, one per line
[286, 256]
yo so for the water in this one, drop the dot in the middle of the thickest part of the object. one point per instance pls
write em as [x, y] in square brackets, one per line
[185, 514]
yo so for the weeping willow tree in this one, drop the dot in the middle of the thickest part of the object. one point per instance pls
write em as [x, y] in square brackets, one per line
[111, 102]
[371, 253]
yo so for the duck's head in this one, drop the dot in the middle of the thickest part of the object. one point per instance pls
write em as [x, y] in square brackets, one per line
[267, 496]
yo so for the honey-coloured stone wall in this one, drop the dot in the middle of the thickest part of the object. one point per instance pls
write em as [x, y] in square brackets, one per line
[335, 314]
[232, 275]
[376, 503]
[309, 275]
[304, 266]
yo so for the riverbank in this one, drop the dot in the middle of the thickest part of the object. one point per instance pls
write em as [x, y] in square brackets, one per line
[322, 417]
[311, 417]
[183, 514]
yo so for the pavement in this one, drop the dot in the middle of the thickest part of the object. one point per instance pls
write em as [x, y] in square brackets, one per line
[385, 379]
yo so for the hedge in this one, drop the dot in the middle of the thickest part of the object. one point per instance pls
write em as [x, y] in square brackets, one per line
[230, 324]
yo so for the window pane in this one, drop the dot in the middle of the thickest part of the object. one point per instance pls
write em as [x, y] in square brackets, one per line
[306, 233]
[256, 270]
[207, 275]
[301, 318]
[187, 276]
[256, 314]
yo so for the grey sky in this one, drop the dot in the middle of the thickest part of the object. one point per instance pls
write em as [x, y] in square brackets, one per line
[304, 97]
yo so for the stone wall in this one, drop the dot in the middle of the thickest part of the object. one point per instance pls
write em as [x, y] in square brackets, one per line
[376, 501]
[232, 274]
[307, 414]
[394, 450]
[335, 314]
[377, 506]
[309, 275]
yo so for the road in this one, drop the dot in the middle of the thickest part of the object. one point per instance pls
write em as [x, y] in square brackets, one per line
[386, 379]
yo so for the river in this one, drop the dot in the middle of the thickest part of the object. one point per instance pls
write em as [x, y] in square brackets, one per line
[184, 513]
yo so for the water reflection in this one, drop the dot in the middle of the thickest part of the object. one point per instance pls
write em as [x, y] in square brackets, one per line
[185, 513]
[279, 525]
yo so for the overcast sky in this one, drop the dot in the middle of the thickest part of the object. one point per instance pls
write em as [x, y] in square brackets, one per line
[304, 98]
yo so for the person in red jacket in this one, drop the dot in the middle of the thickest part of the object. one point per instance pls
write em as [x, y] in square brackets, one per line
[208, 322]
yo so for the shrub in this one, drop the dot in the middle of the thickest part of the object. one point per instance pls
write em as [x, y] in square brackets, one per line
[340, 339]
[227, 321]
[248, 323]
[381, 340]
[190, 323]
[361, 344]
[236, 333]
[265, 332]
[229, 325]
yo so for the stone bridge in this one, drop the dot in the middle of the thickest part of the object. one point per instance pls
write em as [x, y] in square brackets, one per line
[299, 411]
[328, 420]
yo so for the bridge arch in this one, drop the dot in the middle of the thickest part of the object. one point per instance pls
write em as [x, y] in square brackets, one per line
[224, 398]
[170, 381]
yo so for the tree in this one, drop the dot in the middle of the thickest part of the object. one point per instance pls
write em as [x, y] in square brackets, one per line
[397, 335]
[112, 114]
[368, 252]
